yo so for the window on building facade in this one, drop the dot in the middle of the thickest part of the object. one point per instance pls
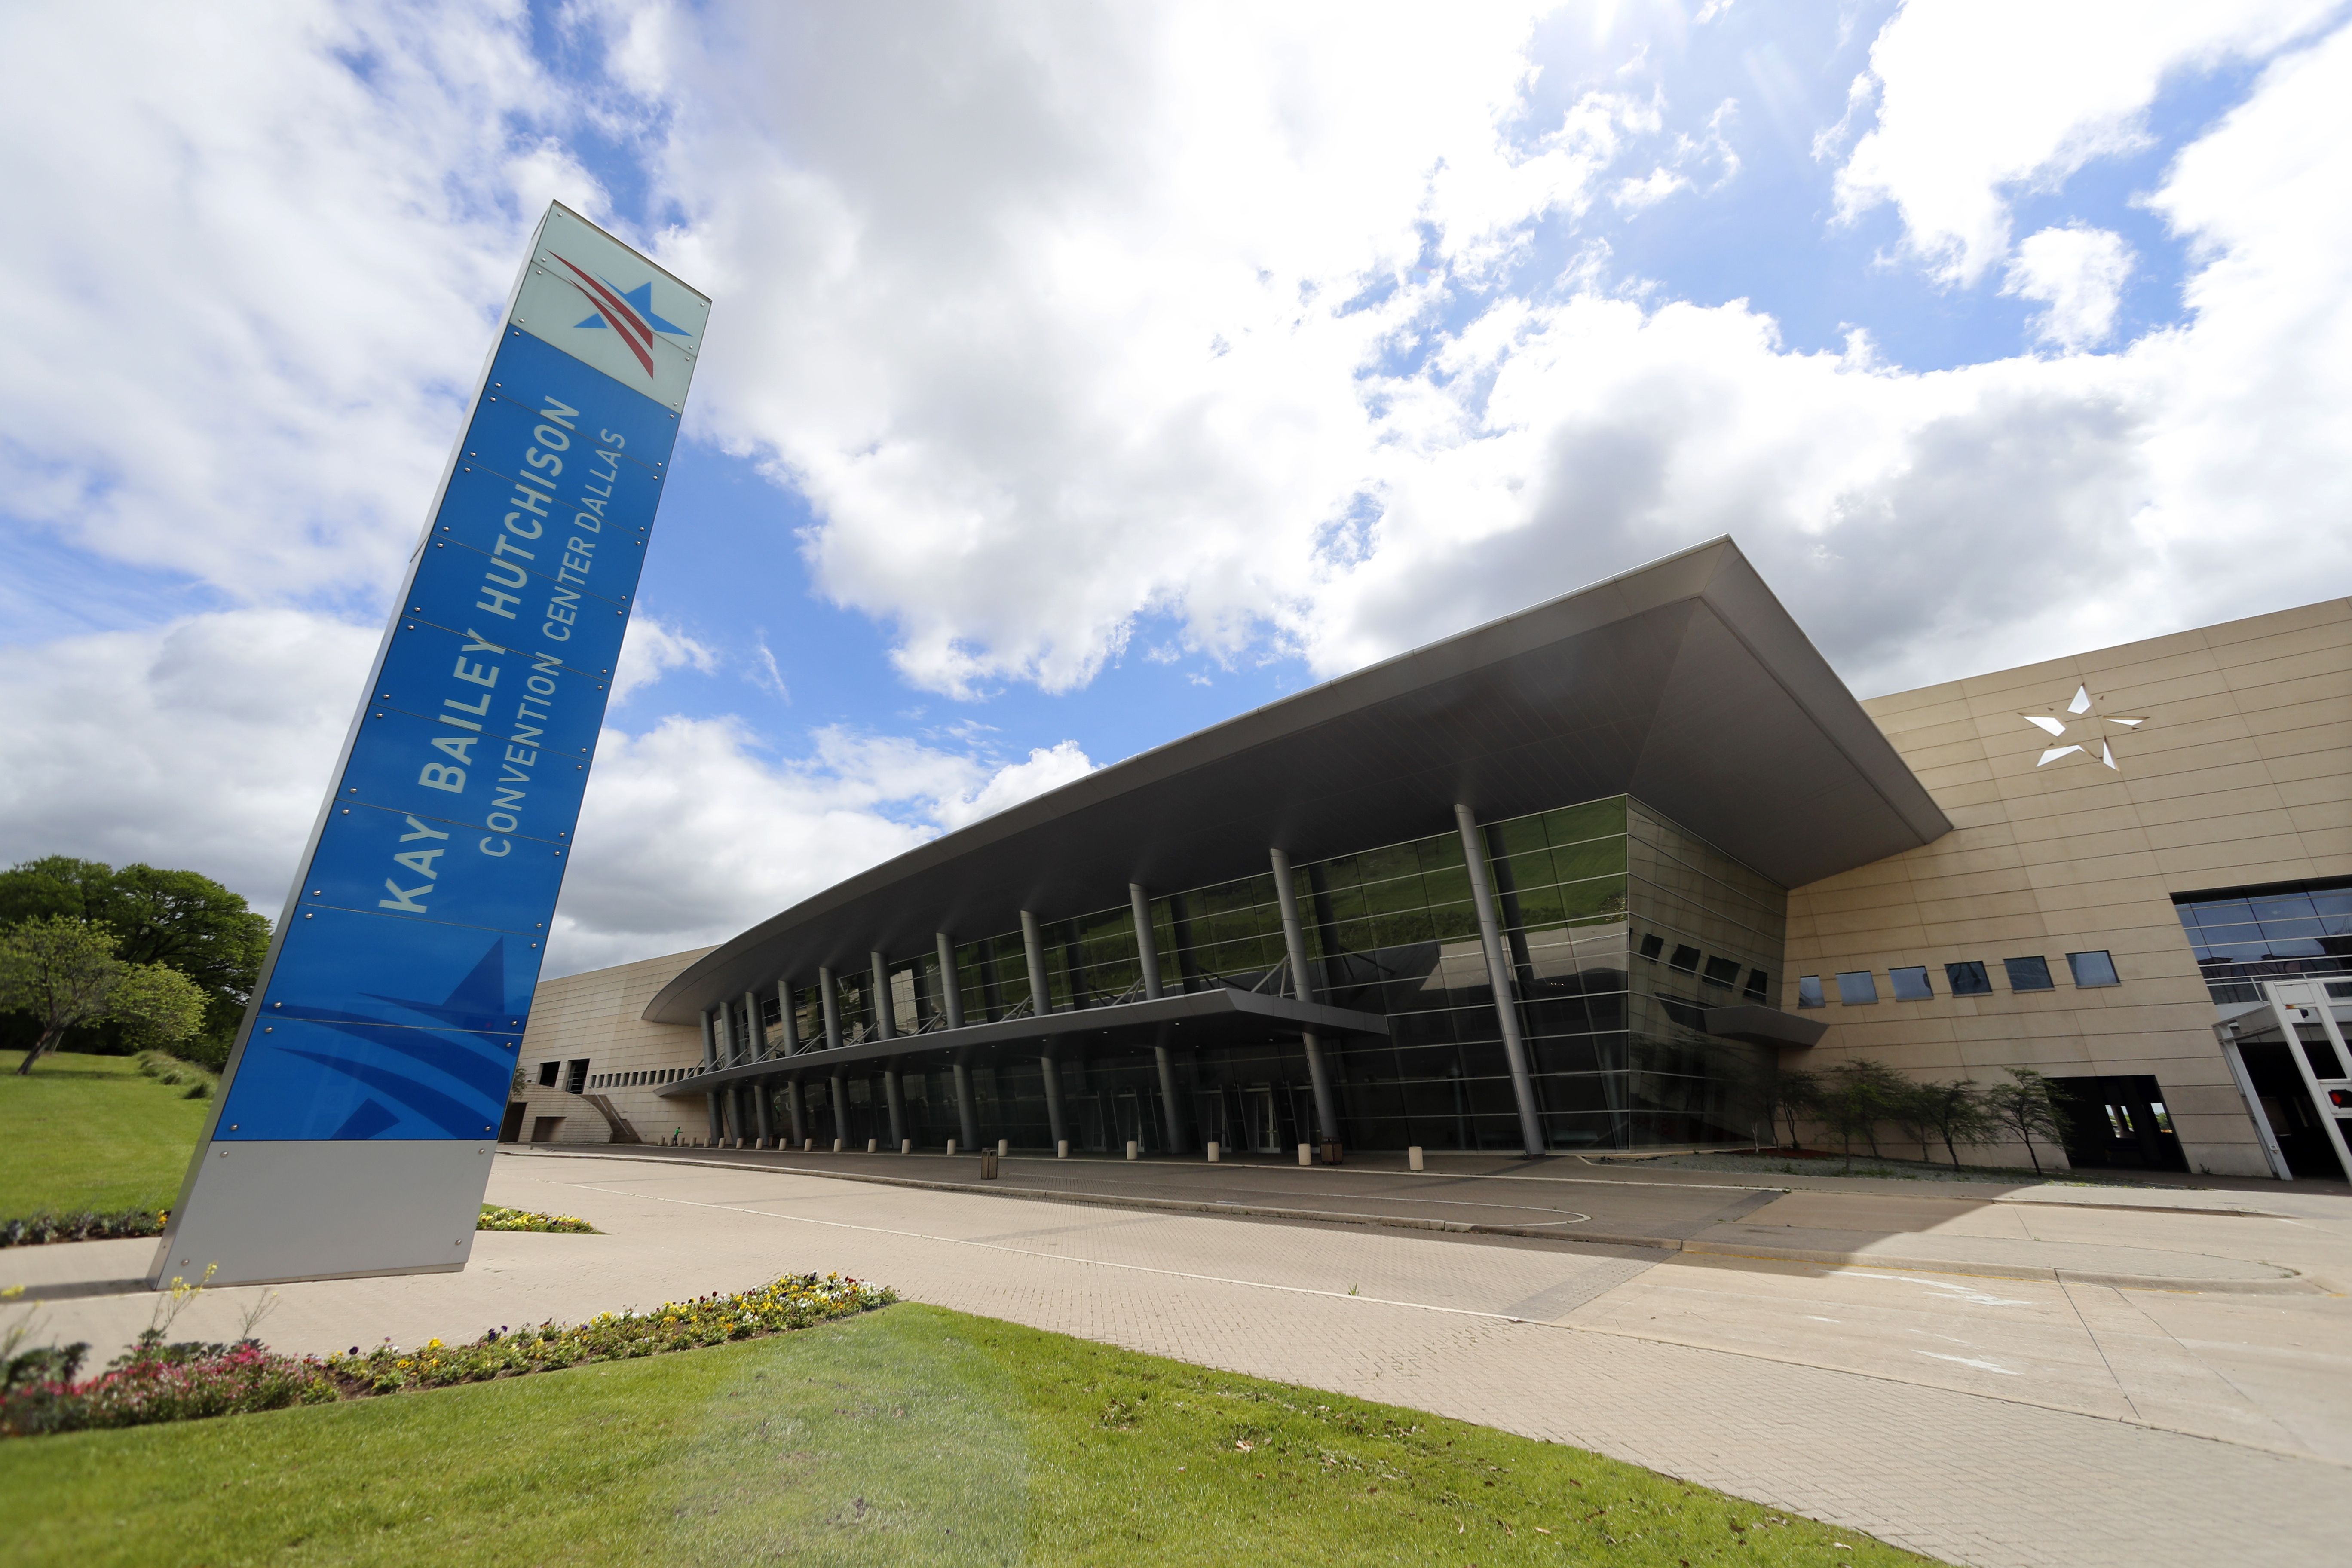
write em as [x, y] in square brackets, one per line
[1968, 978]
[1911, 985]
[2093, 969]
[2292, 931]
[1722, 972]
[1760, 987]
[1857, 987]
[550, 1074]
[1808, 991]
[2028, 973]
[1652, 946]
[1685, 959]
[575, 1077]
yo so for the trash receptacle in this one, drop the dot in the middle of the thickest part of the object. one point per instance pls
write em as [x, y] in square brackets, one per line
[1330, 1151]
[988, 1164]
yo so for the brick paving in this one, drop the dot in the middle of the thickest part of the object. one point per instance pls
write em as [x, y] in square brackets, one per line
[1989, 1423]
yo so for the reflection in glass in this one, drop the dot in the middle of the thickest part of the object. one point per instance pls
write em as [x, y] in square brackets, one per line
[2028, 973]
[1857, 987]
[1968, 978]
[1911, 985]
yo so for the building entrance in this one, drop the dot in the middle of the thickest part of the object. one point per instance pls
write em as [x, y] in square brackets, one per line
[1264, 1133]
[2119, 1122]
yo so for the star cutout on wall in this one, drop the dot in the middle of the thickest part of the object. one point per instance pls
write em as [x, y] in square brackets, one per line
[2083, 728]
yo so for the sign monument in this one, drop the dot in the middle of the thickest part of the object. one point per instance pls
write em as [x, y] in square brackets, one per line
[354, 1129]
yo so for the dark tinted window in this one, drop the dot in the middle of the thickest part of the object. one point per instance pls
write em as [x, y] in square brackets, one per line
[1722, 971]
[1652, 945]
[2028, 973]
[1968, 978]
[2093, 969]
[548, 1072]
[1759, 985]
[1686, 960]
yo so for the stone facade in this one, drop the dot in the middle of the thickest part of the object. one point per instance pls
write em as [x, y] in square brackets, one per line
[2238, 777]
[597, 1018]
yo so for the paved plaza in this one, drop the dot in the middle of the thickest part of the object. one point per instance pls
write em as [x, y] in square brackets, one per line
[1999, 1407]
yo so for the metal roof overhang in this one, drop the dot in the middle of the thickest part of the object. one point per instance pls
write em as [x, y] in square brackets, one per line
[1685, 684]
[1192, 1019]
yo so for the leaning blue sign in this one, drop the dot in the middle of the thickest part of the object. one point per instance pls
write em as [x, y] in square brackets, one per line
[353, 1127]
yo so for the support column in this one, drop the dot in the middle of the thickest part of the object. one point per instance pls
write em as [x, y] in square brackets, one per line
[825, 993]
[897, 1107]
[1294, 941]
[1053, 1098]
[709, 1062]
[840, 1111]
[1499, 976]
[786, 1027]
[1041, 999]
[1147, 942]
[1171, 1112]
[967, 1111]
[951, 984]
[763, 1120]
[734, 1111]
[885, 1011]
[793, 1109]
[755, 1034]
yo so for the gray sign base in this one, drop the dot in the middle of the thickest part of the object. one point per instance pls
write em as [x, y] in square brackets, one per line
[271, 1211]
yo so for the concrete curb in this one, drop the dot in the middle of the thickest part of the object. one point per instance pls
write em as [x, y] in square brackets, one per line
[2287, 1284]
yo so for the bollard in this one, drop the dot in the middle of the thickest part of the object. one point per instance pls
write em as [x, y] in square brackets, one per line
[905, 1145]
[837, 1145]
[871, 1143]
[1130, 1148]
[1306, 1153]
[1413, 1158]
[1212, 1150]
[950, 1148]
[1003, 1147]
[1061, 1149]
[808, 1145]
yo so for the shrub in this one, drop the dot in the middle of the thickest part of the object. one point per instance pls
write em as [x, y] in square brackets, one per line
[86, 1225]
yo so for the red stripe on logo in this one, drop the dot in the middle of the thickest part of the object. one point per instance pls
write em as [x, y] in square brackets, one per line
[633, 329]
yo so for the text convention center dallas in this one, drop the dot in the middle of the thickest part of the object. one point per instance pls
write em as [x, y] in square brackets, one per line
[1579, 879]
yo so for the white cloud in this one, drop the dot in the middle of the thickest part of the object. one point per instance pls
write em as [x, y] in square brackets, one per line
[206, 743]
[2079, 273]
[255, 256]
[1980, 97]
[1048, 768]
[650, 650]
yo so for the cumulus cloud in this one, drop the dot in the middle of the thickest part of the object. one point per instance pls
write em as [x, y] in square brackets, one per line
[689, 834]
[1979, 97]
[650, 650]
[2079, 273]
[206, 743]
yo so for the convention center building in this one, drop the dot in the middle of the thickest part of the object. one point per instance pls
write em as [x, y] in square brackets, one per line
[1579, 881]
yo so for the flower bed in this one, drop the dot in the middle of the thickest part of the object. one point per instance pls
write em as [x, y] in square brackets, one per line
[497, 1218]
[154, 1382]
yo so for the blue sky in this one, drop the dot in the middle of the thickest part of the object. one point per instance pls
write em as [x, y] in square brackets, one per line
[1077, 381]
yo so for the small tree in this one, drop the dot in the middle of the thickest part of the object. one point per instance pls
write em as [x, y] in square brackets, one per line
[2027, 1105]
[64, 971]
[1790, 1093]
[59, 970]
[1857, 1095]
[156, 1006]
[1953, 1112]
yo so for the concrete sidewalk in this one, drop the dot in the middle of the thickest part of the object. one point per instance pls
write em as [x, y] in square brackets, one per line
[1992, 1422]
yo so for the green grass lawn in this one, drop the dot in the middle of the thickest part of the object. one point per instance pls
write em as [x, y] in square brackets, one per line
[91, 1133]
[912, 1435]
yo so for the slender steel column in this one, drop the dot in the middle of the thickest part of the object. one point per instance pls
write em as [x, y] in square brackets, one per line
[885, 1011]
[841, 1111]
[755, 1032]
[1041, 1000]
[792, 1109]
[1294, 941]
[967, 1111]
[734, 1111]
[1171, 1112]
[785, 1023]
[1147, 943]
[825, 992]
[1053, 1098]
[711, 1060]
[897, 1107]
[1499, 976]
[951, 984]
[762, 1105]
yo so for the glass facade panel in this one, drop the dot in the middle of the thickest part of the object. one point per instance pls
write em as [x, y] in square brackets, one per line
[1968, 978]
[2245, 936]
[2028, 973]
[1911, 985]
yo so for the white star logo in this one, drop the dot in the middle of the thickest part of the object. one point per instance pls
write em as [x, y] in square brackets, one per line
[2083, 727]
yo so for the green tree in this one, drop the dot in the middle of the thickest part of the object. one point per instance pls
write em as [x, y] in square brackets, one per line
[1953, 1113]
[2027, 1105]
[1856, 1095]
[1790, 1093]
[64, 971]
[181, 919]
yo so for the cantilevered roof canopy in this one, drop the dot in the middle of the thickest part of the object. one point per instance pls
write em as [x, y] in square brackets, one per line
[1685, 684]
